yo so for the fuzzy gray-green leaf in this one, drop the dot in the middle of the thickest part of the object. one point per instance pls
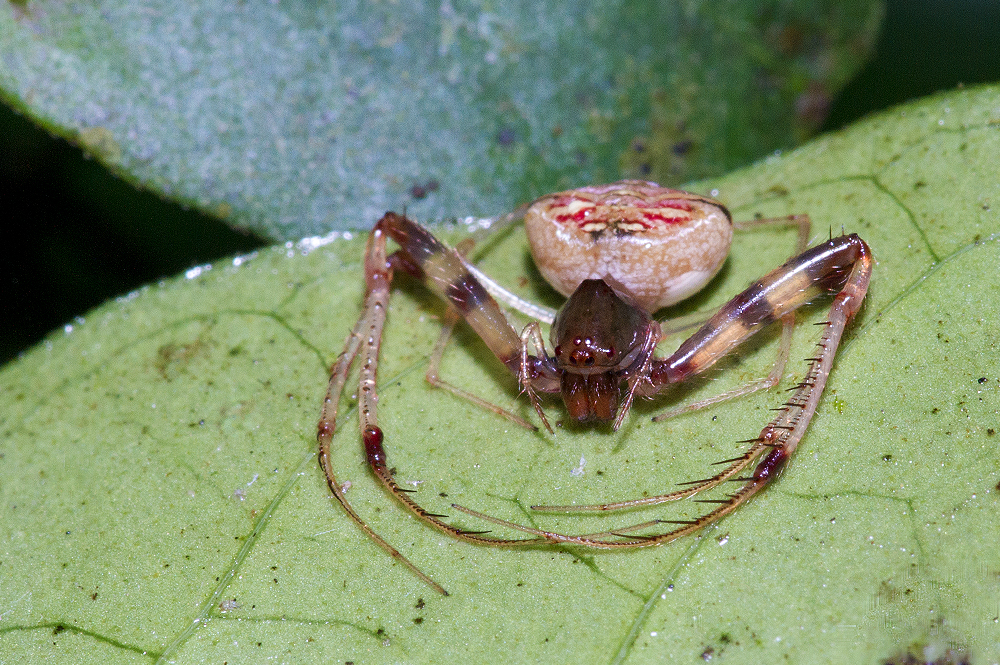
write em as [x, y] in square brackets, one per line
[293, 119]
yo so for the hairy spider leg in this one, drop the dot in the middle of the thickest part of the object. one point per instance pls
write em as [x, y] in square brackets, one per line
[451, 317]
[842, 266]
[420, 254]
[804, 226]
[377, 279]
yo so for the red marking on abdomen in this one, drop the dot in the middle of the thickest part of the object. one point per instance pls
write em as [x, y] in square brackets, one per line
[578, 216]
[663, 219]
[648, 220]
[673, 204]
[651, 213]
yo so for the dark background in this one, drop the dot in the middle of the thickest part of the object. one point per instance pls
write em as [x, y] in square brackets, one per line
[75, 235]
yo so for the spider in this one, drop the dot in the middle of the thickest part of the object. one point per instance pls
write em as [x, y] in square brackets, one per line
[618, 252]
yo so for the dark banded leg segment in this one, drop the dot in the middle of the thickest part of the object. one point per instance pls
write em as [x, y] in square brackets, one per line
[804, 226]
[842, 265]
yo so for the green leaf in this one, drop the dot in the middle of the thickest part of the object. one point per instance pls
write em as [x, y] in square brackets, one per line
[161, 499]
[294, 118]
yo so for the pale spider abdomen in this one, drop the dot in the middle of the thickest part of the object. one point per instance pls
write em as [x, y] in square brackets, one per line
[661, 244]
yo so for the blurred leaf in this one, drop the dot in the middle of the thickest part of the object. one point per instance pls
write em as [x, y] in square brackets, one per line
[292, 119]
[161, 499]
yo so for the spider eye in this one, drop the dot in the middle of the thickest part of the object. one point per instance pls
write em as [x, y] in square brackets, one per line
[611, 352]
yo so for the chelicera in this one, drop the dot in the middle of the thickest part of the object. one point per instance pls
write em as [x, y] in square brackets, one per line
[618, 252]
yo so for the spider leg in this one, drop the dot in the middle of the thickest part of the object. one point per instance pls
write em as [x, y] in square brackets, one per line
[451, 317]
[765, 383]
[653, 337]
[804, 225]
[443, 269]
[801, 221]
[511, 299]
[532, 333]
[842, 265]
[550, 536]
[736, 466]
[371, 320]
[446, 273]
[448, 325]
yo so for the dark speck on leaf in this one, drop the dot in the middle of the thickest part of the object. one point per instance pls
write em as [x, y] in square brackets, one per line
[421, 191]
[506, 136]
